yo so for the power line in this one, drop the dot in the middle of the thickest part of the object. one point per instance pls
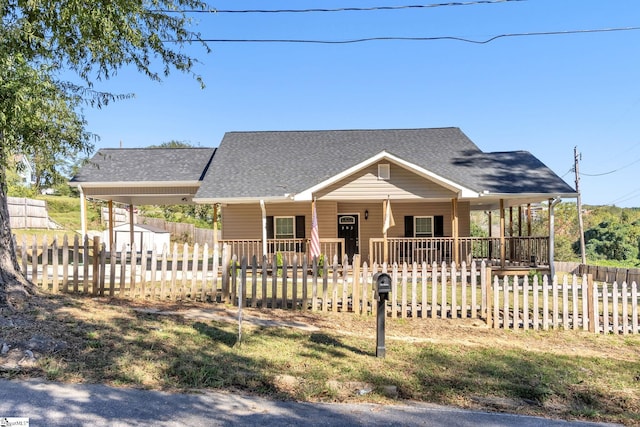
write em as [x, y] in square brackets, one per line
[340, 9]
[626, 197]
[571, 169]
[391, 38]
[612, 171]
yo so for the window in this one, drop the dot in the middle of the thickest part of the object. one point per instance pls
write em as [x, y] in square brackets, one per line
[284, 227]
[384, 171]
[423, 226]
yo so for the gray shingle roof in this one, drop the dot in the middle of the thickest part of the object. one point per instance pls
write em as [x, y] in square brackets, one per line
[511, 172]
[269, 164]
[145, 165]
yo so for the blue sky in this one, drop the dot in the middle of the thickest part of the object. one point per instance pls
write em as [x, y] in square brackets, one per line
[545, 94]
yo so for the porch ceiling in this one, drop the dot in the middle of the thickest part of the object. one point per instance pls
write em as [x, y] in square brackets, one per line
[142, 193]
[492, 202]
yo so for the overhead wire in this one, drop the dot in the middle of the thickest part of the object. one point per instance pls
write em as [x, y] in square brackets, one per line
[611, 171]
[339, 9]
[626, 197]
[392, 38]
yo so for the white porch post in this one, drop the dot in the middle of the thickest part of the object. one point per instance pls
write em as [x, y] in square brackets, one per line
[456, 231]
[131, 233]
[264, 228]
[111, 225]
[215, 225]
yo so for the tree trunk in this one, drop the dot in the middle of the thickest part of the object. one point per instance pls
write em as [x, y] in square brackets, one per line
[14, 286]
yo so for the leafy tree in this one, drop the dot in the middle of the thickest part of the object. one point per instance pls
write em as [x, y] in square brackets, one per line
[40, 114]
[610, 241]
[172, 144]
[615, 237]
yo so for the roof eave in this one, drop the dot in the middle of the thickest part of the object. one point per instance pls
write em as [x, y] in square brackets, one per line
[130, 184]
[241, 200]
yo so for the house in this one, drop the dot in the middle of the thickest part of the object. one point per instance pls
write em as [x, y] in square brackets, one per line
[428, 180]
[433, 179]
[25, 169]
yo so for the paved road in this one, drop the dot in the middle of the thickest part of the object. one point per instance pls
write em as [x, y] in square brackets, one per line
[54, 404]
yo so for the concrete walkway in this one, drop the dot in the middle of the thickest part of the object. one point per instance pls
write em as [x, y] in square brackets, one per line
[54, 404]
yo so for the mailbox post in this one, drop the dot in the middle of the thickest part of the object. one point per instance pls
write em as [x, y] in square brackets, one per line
[382, 286]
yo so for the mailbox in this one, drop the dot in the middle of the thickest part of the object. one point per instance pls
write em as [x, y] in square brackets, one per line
[382, 285]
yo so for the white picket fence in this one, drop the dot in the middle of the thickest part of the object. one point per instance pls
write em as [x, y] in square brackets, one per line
[443, 291]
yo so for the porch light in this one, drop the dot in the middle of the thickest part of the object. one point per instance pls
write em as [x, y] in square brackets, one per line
[366, 214]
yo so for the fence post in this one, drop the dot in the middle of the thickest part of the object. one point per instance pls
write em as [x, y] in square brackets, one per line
[356, 292]
[96, 264]
[54, 263]
[590, 295]
[103, 260]
[486, 278]
[226, 258]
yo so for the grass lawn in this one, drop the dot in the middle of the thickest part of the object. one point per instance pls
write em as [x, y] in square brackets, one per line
[463, 363]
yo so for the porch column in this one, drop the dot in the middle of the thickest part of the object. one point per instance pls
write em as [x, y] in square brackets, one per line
[111, 225]
[131, 221]
[529, 219]
[511, 246]
[83, 212]
[264, 228]
[215, 225]
[510, 221]
[455, 231]
[490, 232]
[519, 220]
[502, 240]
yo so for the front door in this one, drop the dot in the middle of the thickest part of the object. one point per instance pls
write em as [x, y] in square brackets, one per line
[348, 230]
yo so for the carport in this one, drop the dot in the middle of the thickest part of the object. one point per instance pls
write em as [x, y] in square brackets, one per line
[142, 176]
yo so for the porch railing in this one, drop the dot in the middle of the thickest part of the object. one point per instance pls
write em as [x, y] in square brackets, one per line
[288, 248]
[519, 251]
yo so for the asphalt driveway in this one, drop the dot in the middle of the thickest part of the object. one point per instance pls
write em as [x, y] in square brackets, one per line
[54, 404]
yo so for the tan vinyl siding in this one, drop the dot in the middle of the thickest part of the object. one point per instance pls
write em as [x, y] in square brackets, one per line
[404, 184]
[241, 221]
[244, 221]
[327, 219]
[464, 219]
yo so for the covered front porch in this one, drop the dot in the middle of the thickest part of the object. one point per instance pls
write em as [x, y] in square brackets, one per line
[505, 234]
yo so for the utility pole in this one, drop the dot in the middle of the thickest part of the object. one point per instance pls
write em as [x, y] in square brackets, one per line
[576, 156]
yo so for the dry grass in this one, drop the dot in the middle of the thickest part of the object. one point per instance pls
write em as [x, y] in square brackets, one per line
[558, 373]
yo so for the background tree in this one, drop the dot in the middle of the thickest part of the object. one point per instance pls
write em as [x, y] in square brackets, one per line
[172, 144]
[43, 39]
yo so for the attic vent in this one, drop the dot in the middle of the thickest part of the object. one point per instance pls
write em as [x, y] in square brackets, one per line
[384, 171]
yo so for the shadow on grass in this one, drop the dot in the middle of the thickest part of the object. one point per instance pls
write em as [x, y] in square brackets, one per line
[125, 347]
[328, 343]
[216, 334]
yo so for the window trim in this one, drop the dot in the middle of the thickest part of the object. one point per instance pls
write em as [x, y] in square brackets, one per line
[275, 226]
[415, 226]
